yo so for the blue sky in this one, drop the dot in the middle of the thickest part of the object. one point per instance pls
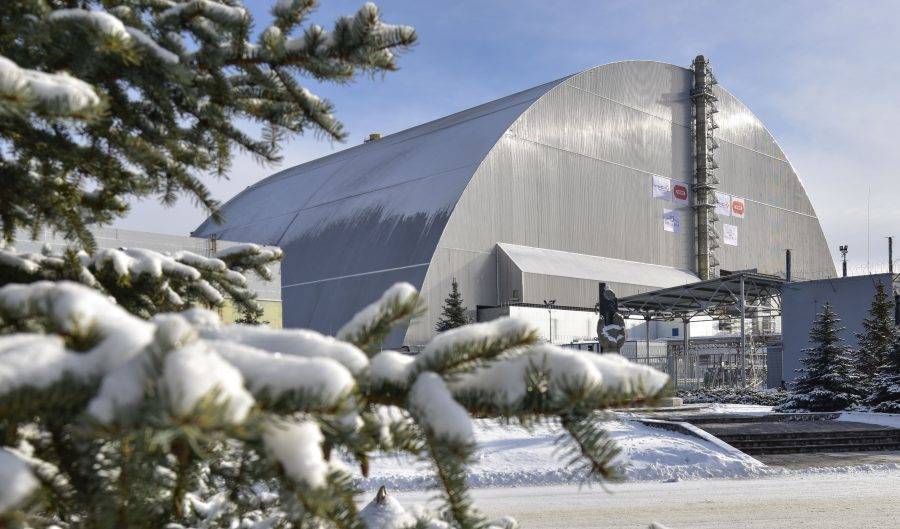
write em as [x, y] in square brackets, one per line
[823, 76]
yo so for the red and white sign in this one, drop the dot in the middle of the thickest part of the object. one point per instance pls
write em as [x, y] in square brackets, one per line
[737, 207]
[680, 193]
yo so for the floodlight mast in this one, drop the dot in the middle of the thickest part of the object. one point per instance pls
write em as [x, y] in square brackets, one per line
[843, 250]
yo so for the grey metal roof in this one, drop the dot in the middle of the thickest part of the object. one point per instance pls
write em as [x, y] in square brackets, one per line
[369, 215]
[568, 264]
[564, 166]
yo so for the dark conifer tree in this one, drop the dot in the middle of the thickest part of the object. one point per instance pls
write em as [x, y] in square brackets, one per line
[453, 314]
[885, 390]
[102, 101]
[829, 380]
[877, 339]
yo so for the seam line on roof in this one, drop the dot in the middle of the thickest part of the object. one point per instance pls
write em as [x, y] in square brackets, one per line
[682, 125]
[519, 137]
[632, 283]
[355, 275]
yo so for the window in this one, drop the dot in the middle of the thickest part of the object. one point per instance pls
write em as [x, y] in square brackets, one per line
[675, 331]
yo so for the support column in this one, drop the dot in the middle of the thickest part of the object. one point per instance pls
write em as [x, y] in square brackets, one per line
[686, 343]
[647, 337]
[743, 302]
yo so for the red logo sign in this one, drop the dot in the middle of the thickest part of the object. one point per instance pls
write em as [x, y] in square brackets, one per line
[680, 192]
[737, 206]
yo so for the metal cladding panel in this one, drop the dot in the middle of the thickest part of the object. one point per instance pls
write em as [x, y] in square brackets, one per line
[327, 306]
[369, 216]
[565, 166]
[574, 174]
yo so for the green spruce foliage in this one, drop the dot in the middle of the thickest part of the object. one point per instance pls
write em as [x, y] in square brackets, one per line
[453, 314]
[885, 390]
[877, 339]
[828, 381]
[146, 283]
[113, 421]
[101, 101]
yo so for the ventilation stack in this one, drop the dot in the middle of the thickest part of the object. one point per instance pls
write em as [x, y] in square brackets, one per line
[705, 181]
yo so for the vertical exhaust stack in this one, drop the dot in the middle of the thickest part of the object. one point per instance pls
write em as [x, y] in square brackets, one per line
[705, 181]
[787, 266]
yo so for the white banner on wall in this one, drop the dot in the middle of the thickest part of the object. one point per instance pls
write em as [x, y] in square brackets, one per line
[671, 221]
[738, 207]
[730, 234]
[662, 187]
[680, 193]
[723, 205]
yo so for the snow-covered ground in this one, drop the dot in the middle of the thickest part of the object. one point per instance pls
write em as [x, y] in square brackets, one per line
[513, 456]
[881, 419]
[821, 501]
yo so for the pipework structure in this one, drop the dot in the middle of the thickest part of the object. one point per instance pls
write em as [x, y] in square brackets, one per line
[705, 181]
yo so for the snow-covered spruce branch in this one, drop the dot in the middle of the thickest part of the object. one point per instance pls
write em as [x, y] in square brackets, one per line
[105, 100]
[146, 282]
[183, 421]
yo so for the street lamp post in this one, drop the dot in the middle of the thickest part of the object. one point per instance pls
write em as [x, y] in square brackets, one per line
[550, 304]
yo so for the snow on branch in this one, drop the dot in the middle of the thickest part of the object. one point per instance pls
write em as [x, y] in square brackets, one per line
[252, 413]
[16, 481]
[371, 325]
[55, 94]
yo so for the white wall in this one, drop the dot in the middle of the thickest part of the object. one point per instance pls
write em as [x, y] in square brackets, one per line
[575, 325]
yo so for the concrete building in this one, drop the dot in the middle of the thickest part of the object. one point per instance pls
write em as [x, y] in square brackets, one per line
[269, 292]
[540, 195]
[850, 297]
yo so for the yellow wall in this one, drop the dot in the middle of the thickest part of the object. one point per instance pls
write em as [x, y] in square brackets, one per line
[271, 312]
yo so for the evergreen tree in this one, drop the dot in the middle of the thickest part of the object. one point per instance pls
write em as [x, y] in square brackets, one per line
[113, 421]
[828, 381]
[885, 389]
[453, 314]
[146, 283]
[102, 100]
[877, 339]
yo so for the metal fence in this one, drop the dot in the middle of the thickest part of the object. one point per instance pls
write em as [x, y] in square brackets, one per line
[705, 367]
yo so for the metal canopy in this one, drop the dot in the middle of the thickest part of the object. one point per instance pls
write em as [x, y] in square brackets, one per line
[716, 298]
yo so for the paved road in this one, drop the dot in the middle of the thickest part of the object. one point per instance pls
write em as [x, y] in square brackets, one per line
[842, 501]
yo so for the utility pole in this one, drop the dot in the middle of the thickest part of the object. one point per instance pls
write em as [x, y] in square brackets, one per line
[890, 255]
[843, 250]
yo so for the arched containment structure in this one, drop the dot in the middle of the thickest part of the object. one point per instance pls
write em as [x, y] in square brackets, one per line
[534, 196]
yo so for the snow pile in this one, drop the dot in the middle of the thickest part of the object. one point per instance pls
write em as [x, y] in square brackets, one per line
[152, 46]
[16, 481]
[385, 512]
[513, 456]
